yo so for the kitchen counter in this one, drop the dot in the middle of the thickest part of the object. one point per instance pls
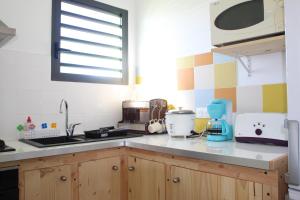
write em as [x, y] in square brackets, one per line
[248, 155]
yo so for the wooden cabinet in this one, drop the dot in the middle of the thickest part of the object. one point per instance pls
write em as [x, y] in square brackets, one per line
[53, 183]
[192, 185]
[134, 174]
[146, 179]
[195, 185]
[100, 179]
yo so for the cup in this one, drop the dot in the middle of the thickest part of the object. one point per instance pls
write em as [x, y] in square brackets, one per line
[154, 127]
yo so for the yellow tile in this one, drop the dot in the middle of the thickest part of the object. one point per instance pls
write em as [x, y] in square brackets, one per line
[138, 80]
[275, 98]
[225, 75]
[186, 62]
[200, 124]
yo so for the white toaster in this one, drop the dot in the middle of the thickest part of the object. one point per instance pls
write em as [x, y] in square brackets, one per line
[266, 128]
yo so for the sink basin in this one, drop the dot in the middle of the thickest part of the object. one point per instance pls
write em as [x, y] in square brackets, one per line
[90, 136]
[53, 141]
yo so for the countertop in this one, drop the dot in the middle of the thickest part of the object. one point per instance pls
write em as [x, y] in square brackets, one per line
[230, 152]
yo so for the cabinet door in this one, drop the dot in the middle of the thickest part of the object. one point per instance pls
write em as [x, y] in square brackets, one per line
[53, 183]
[189, 184]
[100, 179]
[192, 185]
[146, 179]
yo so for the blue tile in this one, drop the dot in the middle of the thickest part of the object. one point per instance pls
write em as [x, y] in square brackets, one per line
[220, 58]
[203, 97]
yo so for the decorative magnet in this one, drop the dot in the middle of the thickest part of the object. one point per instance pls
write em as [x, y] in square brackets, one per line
[53, 125]
[44, 125]
[20, 127]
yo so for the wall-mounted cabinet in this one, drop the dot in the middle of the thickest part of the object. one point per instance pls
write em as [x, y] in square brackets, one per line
[6, 33]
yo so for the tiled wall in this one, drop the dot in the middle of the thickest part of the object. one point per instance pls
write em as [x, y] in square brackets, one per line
[212, 76]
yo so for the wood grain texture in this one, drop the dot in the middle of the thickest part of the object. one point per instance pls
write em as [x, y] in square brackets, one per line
[48, 184]
[234, 171]
[192, 185]
[226, 188]
[100, 179]
[267, 193]
[147, 180]
[242, 189]
[153, 176]
[255, 191]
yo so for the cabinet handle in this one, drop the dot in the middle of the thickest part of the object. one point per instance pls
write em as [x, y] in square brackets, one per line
[63, 178]
[131, 168]
[115, 168]
[176, 180]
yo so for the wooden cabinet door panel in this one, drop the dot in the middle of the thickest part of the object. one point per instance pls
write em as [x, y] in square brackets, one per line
[52, 183]
[100, 179]
[146, 180]
[226, 188]
[192, 185]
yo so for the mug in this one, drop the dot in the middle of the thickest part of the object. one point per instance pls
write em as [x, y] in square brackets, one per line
[154, 127]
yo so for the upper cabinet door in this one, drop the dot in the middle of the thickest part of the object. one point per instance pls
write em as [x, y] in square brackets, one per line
[54, 183]
[146, 180]
[100, 179]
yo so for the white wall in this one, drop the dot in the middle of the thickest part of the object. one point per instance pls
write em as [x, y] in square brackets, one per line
[25, 64]
[170, 29]
[167, 30]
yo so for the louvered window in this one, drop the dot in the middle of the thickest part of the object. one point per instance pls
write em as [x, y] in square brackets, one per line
[89, 42]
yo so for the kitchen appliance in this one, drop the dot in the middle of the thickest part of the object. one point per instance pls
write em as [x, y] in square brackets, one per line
[9, 183]
[135, 115]
[266, 128]
[293, 95]
[219, 127]
[4, 147]
[180, 122]
[241, 20]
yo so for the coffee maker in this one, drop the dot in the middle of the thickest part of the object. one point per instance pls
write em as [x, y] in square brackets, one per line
[219, 127]
[135, 114]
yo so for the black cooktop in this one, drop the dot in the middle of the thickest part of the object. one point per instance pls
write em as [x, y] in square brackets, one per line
[4, 147]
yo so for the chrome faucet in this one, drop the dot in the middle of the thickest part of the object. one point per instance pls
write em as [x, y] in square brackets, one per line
[68, 127]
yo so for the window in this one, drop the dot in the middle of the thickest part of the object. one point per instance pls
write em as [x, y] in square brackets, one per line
[89, 42]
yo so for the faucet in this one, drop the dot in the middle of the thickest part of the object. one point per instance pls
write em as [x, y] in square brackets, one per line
[68, 127]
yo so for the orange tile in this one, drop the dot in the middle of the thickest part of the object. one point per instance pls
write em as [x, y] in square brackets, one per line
[227, 93]
[185, 79]
[204, 59]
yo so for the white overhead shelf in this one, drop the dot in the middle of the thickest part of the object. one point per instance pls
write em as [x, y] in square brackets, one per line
[255, 47]
[6, 33]
[252, 48]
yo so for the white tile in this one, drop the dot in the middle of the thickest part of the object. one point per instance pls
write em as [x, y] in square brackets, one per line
[267, 69]
[185, 99]
[249, 99]
[204, 77]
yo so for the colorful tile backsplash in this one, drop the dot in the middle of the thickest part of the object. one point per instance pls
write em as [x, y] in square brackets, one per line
[213, 76]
